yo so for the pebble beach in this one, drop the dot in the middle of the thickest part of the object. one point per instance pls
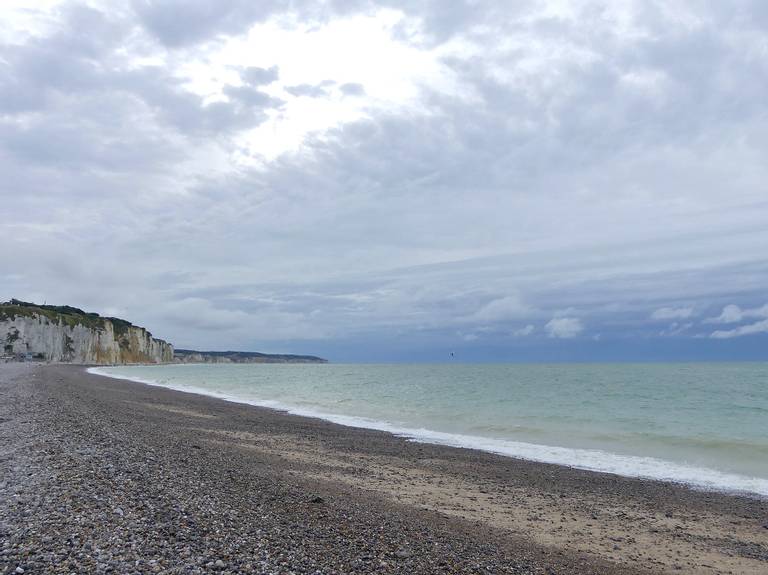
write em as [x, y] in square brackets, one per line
[106, 476]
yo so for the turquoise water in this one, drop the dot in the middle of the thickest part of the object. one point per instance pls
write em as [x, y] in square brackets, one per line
[704, 424]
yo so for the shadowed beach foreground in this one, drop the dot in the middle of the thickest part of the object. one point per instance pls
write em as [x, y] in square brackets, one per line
[102, 475]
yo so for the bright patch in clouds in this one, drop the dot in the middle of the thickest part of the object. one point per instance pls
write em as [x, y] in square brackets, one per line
[345, 59]
[22, 18]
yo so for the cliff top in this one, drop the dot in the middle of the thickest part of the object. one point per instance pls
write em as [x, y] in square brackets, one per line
[66, 314]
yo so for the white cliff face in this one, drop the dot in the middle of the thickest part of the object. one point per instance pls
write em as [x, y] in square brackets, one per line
[59, 340]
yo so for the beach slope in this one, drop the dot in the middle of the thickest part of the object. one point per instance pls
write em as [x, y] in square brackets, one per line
[103, 475]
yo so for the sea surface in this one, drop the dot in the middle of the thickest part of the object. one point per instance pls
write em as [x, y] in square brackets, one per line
[703, 424]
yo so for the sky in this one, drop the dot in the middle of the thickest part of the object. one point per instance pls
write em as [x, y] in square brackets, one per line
[394, 180]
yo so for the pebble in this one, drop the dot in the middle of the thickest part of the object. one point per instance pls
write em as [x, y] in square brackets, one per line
[97, 464]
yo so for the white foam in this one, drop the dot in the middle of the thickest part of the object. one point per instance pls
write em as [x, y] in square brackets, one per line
[587, 459]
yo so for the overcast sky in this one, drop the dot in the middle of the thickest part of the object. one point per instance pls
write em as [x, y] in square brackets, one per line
[395, 180]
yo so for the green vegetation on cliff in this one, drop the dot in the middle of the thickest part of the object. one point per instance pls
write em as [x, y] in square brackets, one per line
[69, 334]
[64, 314]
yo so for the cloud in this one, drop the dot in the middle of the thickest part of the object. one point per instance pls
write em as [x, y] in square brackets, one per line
[352, 89]
[501, 309]
[676, 328]
[483, 165]
[309, 90]
[198, 314]
[730, 314]
[564, 327]
[751, 329]
[255, 76]
[666, 313]
[733, 314]
[524, 331]
[250, 97]
[177, 23]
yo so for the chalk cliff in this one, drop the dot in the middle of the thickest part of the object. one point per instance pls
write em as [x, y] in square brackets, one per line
[67, 334]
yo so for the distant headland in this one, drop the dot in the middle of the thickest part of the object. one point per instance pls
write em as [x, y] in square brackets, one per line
[66, 334]
[192, 356]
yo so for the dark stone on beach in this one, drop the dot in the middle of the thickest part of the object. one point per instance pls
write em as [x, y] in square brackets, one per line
[317, 499]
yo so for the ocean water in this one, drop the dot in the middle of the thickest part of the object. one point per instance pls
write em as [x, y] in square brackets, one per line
[703, 424]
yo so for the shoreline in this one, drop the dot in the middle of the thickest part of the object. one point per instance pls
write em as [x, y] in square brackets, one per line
[192, 480]
[625, 465]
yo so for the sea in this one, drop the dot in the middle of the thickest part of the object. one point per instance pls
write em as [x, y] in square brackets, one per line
[701, 424]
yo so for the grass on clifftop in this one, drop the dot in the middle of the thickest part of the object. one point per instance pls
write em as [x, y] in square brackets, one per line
[68, 315]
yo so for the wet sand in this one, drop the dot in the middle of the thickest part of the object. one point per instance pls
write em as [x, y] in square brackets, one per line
[103, 475]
